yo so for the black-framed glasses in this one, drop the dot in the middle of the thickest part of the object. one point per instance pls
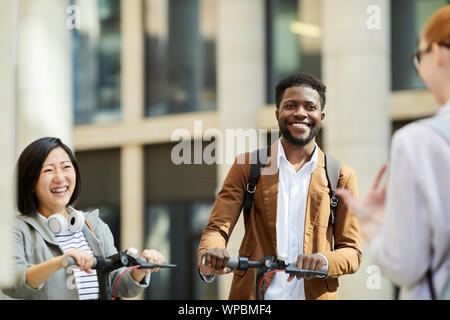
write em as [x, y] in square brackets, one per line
[417, 56]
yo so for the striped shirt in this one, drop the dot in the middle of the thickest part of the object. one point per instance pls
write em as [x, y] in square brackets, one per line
[86, 283]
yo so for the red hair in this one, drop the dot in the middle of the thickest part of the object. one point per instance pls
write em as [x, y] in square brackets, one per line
[437, 27]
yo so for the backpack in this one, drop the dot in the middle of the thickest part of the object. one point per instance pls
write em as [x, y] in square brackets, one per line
[332, 169]
[441, 126]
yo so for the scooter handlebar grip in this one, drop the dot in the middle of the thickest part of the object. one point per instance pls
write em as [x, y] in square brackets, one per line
[70, 261]
[233, 263]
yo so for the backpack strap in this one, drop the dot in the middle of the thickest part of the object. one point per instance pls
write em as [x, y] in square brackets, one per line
[333, 170]
[258, 159]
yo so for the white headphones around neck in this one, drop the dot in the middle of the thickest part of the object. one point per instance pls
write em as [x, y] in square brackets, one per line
[58, 223]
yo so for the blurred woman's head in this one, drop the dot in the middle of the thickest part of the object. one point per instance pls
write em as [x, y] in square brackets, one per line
[48, 179]
[433, 57]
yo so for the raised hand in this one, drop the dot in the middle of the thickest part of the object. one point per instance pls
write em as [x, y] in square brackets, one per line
[370, 210]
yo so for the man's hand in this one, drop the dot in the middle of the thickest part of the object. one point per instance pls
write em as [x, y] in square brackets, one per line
[214, 262]
[308, 262]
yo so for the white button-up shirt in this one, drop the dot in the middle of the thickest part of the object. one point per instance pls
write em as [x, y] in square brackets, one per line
[291, 207]
[416, 227]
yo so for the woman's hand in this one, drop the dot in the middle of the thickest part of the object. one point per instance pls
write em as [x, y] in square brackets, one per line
[39, 273]
[370, 211]
[152, 256]
[83, 259]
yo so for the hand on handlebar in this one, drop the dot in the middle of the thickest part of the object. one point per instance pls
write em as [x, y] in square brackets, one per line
[214, 262]
[82, 258]
[152, 256]
[308, 262]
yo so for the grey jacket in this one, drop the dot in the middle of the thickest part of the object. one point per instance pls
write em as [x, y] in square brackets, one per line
[35, 243]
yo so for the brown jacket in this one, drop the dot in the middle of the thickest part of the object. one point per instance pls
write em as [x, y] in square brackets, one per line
[260, 228]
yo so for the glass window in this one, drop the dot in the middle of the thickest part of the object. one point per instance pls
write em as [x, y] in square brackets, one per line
[407, 19]
[294, 31]
[180, 52]
[175, 229]
[157, 226]
[179, 200]
[167, 182]
[100, 186]
[96, 62]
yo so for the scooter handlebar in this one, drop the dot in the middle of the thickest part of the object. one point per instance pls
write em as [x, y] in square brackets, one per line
[291, 269]
[100, 262]
[243, 264]
[70, 261]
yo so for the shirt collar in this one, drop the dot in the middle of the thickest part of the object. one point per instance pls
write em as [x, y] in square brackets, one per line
[312, 163]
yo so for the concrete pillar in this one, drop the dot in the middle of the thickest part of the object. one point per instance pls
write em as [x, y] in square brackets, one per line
[132, 104]
[356, 71]
[132, 63]
[132, 197]
[8, 36]
[44, 71]
[241, 84]
[131, 165]
[35, 91]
